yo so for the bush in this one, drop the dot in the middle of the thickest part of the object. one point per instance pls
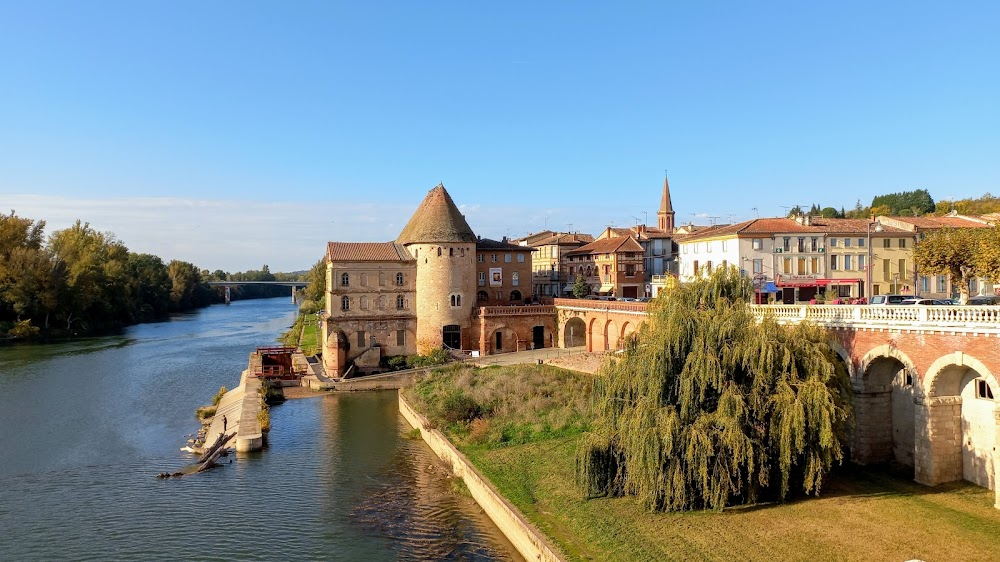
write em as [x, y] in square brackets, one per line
[218, 396]
[436, 357]
[458, 407]
[205, 412]
[24, 329]
[396, 362]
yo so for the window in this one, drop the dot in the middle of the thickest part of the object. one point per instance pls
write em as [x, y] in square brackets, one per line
[925, 284]
[520, 258]
[571, 271]
[451, 252]
[847, 263]
[629, 270]
[482, 258]
[885, 269]
[861, 242]
[902, 270]
[456, 300]
[483, 296]
[833, 242]
[399, 279]
[708, 247]
[787, 266]
[514, 279]
[345, 279]
[802, 266]
[833, 263]
[942, 284]
[802, 244]
[345, 303]
[494, 256]
[886, 243]
[847, 244]
[815, 265]
[696, 270]
[758, 266]
[861, 262]
[361, 338]
[400, 337]
[506, 258]
[814, 244]
[482, 278]
[983, 390]
[400, 302]
[708, 268]
[787, 246]
[758, 244]
[515, 296]
[723, 248]
[364, 303]
[439, 251]
[902, 242]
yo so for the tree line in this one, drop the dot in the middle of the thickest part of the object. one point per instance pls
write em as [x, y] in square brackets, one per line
[913, 203]
[78, 280]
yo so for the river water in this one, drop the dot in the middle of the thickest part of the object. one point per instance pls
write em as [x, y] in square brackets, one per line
[86, 425]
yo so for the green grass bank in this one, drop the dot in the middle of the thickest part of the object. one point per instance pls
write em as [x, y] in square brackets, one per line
[520, 426]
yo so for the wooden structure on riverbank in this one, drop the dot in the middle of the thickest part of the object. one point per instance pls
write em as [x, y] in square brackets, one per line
[278, 363]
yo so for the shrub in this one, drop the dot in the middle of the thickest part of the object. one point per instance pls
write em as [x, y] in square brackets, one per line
[437, 356]
[218, 396]
[459, 407]
[24, 329]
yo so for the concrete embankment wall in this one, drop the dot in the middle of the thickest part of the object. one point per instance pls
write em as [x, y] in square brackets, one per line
[528, 540]
[240, 407]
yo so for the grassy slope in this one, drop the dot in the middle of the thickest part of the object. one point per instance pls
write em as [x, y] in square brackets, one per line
[862, 515]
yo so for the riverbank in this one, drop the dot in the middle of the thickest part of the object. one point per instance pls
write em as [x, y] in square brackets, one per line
[521, 432]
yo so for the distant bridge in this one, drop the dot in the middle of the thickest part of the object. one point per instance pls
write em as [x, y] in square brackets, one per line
[227, 284]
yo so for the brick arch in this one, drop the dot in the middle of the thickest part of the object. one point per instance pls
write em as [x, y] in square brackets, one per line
[845, 355]
[610, 335]
[628, 328]
[932, 384]
[882, 352]
[508, 345]
[593, 336]
[579, 329]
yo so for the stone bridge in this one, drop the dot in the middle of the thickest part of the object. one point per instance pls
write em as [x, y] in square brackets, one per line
[924, 377]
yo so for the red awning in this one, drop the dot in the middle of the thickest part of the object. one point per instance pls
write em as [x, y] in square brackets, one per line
[813, 282]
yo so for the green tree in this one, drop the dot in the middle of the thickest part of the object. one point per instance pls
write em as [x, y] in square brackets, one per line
[315, 291]
[956, 252]
[829, 213]
[708, 407]
[149, 285]
[580, 287]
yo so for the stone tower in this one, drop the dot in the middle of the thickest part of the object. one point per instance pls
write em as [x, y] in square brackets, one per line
[665, 216]
[444, 247]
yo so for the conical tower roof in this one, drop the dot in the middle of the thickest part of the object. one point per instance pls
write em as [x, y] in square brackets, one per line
[666, 206]
[437, 219]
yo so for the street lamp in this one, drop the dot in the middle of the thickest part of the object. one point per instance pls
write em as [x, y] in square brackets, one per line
[868, 266]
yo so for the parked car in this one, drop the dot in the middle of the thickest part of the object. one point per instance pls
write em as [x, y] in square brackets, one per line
[926, 302]
[889, 299]
[984, 300]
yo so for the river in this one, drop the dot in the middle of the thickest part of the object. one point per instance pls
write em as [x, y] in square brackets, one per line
[87, 424]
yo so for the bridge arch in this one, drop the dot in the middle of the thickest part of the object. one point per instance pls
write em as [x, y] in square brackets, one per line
[610, 335]
[885, 386]
[574, 332]
[628, 328]
[595, 338]
[845, 356]
[960, 434]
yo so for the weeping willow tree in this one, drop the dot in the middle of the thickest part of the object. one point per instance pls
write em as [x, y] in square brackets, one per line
[708, 407]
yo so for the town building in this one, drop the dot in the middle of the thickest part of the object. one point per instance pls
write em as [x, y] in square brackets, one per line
[609, 266]
[437, 285]
[549, 277]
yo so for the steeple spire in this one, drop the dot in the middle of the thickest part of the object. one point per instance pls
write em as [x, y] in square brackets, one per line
[665, 216]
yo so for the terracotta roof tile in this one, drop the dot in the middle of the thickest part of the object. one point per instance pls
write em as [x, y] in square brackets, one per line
[609, 246]
[487, 244]
[437, 219]
[367, 251]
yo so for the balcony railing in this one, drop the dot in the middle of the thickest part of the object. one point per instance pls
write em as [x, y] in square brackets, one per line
[515, 310]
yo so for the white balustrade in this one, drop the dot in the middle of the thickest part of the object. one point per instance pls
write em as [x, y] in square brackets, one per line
[949, 318]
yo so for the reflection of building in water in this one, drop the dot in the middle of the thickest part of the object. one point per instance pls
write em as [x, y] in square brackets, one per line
[436, 285]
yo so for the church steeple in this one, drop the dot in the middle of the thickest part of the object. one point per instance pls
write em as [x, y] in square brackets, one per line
[665, 216]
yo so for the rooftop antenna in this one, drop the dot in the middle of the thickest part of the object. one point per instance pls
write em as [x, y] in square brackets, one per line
[712, 220]
[756, 211]
[545, 224]
[636, 221]
[645, 217]
[732, 218]
[570, 225]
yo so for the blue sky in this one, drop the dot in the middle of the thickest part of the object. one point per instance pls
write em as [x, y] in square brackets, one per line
[232, 134]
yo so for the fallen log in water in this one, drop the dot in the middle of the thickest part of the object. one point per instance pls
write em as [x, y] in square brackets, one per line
[207, 460]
